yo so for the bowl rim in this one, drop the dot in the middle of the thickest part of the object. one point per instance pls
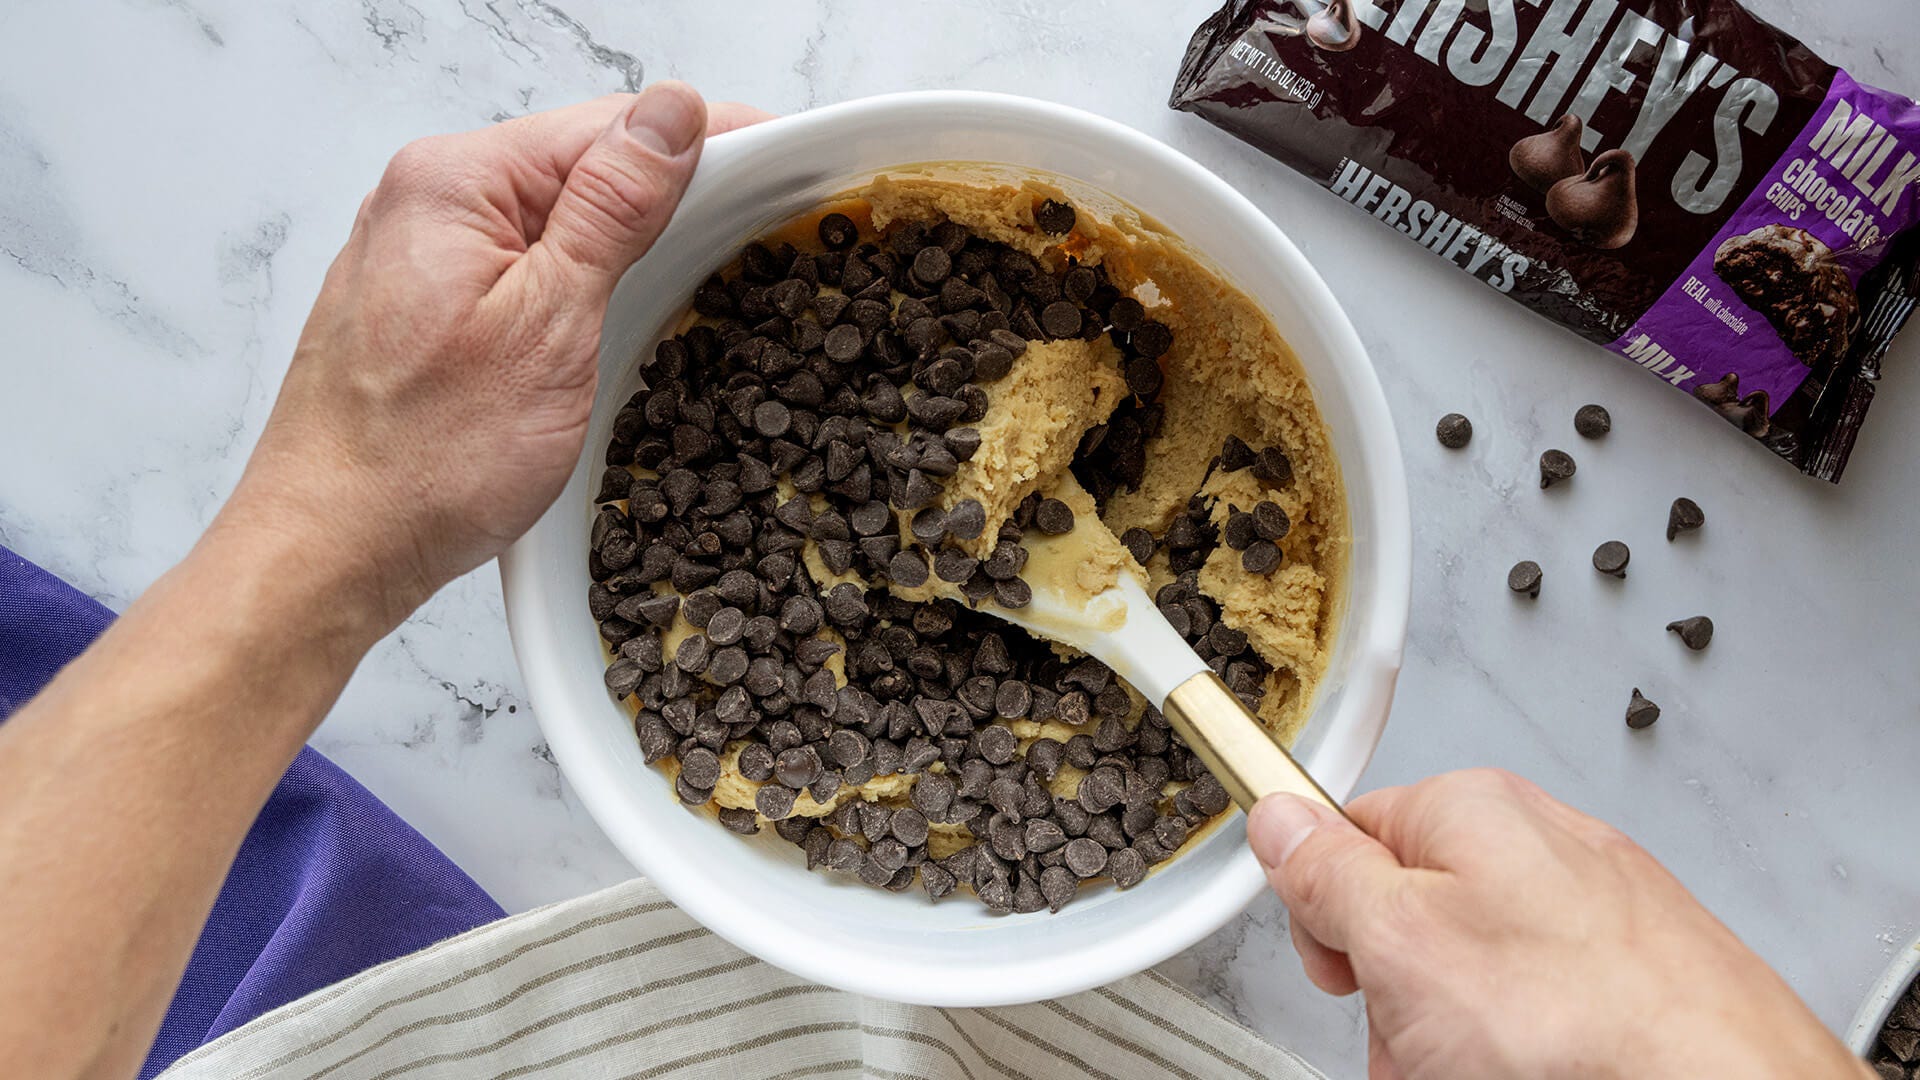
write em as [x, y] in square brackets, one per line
[1900, 972]
[1376, 657]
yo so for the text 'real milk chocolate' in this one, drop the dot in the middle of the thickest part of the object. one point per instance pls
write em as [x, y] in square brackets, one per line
[1674, 179]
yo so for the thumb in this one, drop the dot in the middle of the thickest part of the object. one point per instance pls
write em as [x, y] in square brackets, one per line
[1331, 876]
[620, 194]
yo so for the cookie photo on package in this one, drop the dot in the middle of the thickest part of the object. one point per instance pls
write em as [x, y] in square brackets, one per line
[1675, 180]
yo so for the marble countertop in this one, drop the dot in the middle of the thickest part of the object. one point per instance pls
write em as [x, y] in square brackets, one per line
[176, 174]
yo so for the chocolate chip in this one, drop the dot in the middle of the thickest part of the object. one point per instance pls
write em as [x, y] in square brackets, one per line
[1143, 377]
[1239, 532]
[1261, 557]
[1013, 593]
[1012, 700]
[1054, 217]
[962, 443]
[908, 568]
[838, 232]
[930, 526]
[1684, 516]
[1060, 319]
[1139, 544]
[1641, 712]
[1151, 340]
[1555, 466]
[1272, 467]
[967, 520]
[1127, 868]
[1235, 454]
[1695, 632]
[844, 344]
[910, 827]
[739, 820]
[1101, 790]
[726, 626]
[1454, 431]
[701, 767]
[1611, 558]
[954, 566]
[1053, 517]
[1525, 578]
[997, 744]
[931, 265]
[1592, 421]
[1270, 521]
[800, 615]
[688, 794]
[932, 794]
[1057, 885]
[797, 767]
[1085, 857]
[755, 762]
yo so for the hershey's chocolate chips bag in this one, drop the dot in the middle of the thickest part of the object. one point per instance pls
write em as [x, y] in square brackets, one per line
[1674, 179]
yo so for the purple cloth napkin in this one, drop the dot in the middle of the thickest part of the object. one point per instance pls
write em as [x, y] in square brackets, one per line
[328, 883]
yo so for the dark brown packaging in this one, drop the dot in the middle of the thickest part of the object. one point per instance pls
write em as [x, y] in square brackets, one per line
[1675, 180]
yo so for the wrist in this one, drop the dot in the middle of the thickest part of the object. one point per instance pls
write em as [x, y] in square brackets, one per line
[310, 557]
[290, 586]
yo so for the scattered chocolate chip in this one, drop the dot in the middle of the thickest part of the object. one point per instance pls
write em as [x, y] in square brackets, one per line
[1139, 544]
[1525, 578]
[1694, 632]
[1592, 421]
[1684, 516]
[1611, 558]
[1454, 431]
[1641, 712]
[1555, 466]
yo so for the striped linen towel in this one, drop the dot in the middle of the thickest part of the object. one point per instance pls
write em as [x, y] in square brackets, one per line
[623, 984]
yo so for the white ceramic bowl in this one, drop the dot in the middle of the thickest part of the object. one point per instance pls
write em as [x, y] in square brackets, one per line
[1900, 973]
[756, 891]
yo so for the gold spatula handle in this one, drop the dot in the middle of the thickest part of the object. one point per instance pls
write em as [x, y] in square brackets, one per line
[1235, 746]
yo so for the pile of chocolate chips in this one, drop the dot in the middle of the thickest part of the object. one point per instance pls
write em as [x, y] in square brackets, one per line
[1896, 1054]
[853, 373]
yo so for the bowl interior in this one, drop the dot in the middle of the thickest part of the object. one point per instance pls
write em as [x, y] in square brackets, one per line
[756, 891]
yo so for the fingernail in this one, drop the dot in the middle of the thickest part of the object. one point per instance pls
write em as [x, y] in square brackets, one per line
[1277, 826]
[667, 117]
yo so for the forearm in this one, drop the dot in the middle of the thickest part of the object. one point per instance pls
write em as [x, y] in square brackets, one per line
[127, 786]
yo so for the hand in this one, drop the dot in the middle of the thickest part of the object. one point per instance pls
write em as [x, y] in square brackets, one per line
[440, 393]
[1498, 933]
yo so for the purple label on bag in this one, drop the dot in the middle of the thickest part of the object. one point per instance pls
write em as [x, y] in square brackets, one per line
[1772, 299]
